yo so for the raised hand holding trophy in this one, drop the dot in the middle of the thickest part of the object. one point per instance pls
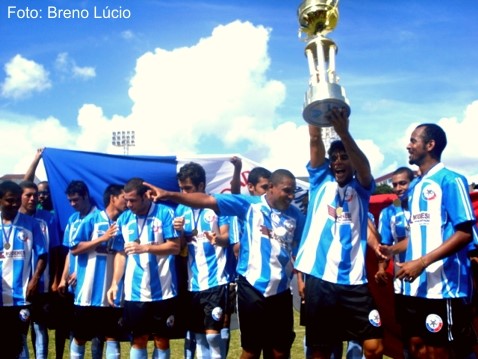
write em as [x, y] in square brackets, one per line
[317, 18]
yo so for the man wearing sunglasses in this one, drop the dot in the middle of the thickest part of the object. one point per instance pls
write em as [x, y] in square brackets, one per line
[332, 250]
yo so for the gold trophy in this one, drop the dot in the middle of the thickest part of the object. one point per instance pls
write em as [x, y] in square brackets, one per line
[316, 19]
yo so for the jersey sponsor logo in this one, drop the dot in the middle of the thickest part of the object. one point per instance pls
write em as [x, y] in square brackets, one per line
[421, 218]
[434, 323]
[374, 318]
[331, 211]
[15, 254]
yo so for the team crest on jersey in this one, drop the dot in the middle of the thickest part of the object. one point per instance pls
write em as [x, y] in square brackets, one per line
[374, 318]
[434, 323]
[348, 195]
[23, 236]
[428, 194]
[210, 217]
[156, 225]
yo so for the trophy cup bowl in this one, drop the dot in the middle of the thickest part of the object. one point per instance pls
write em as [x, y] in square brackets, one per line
[317, 18]
[320, 99]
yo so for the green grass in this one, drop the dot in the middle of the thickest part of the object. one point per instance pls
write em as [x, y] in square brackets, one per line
[177, 345]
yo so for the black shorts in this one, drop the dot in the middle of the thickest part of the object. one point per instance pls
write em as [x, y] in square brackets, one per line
[102, 322]
[264, 322]
[61, 311]
[438, 321]
[208, 309]
[150, 318]
[334, 313]
[11, 339]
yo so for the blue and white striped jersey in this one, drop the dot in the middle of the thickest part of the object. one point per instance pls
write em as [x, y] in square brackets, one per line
[267, 242]
[72, 226]
[208, 265]
[393, 226]
[50, 229]
[438, 202]
[95, 268]
[334, 242]
[148, 277]
[24, 239]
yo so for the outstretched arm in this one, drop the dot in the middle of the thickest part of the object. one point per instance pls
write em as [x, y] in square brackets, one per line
[196, 200]
[358, 159]
[30, 174]
[236, 176]
[317, 148]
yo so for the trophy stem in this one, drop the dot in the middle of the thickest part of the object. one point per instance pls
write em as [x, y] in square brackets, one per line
[332, 73]
[317, 18]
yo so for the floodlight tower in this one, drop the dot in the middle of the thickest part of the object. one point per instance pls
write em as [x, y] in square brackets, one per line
[124, 139]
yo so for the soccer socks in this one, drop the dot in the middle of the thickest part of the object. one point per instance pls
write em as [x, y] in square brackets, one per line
[138, 353]
[189, 345]
[202, 346]
[112, 349]
[216, 347]
[97, 348]
[161, 353]
[41, 340]
[76, 351]
[226, 338]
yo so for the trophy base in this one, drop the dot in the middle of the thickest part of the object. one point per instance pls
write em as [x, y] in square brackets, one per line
[320, 99]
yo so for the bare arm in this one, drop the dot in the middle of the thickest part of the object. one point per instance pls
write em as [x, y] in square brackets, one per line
[30, 174]
[196, 200]
[170, 246]
[357, 157]
[87, 246]
[236, 176]
[118, 272]
[317, 148]
[412, 269]
[220, 239]
[33, 282]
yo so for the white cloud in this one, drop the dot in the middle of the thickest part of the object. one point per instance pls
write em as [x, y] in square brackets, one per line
[83, 72]
[66, 65]
[21, 140]
[215, 95]
[460, 153]
[23, 78]
[127, 35]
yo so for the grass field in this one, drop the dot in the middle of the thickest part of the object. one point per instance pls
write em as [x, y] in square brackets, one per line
[177, 346]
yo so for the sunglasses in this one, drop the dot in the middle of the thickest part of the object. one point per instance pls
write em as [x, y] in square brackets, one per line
[342, 157]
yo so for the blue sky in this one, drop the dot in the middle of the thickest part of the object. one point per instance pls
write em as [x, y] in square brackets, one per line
[216, 77]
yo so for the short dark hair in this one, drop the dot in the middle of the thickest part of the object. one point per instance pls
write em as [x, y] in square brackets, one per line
[10, 187]
[278, 175]
[79, 187]
[136, 184]
[434, 132]
[193, 171]
[336, 146]
[257, 173]
[408, 171]
[28, 184]
[111, 190]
